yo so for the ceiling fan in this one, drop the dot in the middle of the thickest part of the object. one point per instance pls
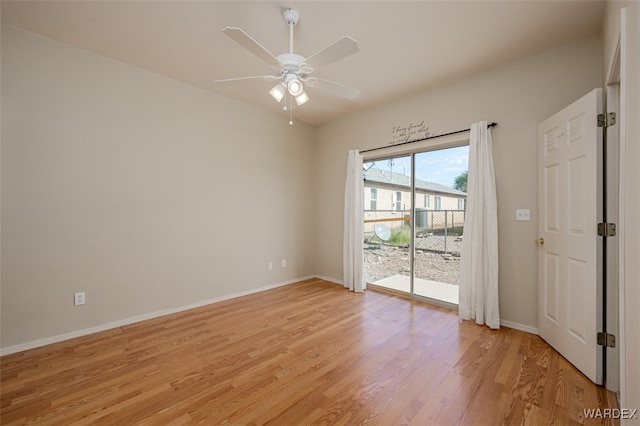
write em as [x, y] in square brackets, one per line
[293, 70]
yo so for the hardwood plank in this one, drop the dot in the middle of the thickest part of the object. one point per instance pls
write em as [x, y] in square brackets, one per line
[307, 353]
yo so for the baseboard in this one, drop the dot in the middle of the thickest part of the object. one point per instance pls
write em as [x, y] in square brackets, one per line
[120, 323]
[518, 326]
[329, 279]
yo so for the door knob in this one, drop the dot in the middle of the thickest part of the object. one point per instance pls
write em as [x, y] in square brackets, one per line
[540, 242]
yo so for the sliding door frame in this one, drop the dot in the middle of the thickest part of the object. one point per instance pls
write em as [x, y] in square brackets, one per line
[453, 141]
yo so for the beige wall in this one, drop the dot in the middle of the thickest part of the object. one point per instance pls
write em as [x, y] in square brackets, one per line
[518, 95]
[115, 182]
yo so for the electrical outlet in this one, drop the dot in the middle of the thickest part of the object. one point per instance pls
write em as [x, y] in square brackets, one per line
[78, 298]
[270, 265]
[284, 263]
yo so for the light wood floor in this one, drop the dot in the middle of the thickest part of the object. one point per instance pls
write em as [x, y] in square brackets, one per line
[308, 353]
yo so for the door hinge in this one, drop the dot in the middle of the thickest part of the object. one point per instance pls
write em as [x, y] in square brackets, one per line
[606, 229]
[607, 339]
[607, 119]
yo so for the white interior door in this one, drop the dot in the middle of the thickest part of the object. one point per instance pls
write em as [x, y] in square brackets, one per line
[569, 273]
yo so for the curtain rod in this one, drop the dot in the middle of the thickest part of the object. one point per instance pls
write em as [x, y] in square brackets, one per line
[492, 124]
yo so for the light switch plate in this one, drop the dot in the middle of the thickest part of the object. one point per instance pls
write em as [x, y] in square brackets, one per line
[523, 214]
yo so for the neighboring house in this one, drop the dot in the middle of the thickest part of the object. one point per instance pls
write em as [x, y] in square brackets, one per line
[388, 195]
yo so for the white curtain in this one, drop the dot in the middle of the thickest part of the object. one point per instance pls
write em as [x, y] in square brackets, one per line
[353, 258]
[479, 255]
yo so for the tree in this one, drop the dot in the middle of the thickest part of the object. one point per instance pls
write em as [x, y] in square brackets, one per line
[461, 182]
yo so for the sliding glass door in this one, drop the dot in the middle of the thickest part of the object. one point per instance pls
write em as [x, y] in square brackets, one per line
[387, 223]
[440, 200]
[414, 219]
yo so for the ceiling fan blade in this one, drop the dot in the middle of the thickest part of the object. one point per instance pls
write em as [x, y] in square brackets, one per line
[338, 89]
[244, 39]
[340, 49]
[266, 77]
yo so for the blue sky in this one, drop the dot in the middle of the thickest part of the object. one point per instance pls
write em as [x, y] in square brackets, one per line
[442, 166]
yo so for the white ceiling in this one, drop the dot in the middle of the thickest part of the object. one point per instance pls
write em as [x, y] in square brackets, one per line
[404, 46]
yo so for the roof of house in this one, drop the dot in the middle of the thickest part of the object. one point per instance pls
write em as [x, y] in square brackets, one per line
[398, 179]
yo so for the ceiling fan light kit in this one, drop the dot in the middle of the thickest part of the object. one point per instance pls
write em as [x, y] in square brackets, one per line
[292, 69]
[278, 92]
[294, 87]
[302, 98]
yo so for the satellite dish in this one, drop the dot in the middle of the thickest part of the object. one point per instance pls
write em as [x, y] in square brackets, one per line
[382, 231]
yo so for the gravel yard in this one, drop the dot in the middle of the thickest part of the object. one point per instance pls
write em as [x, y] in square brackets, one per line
[382, 261]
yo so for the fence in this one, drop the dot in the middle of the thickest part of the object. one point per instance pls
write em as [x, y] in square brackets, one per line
[436, 230]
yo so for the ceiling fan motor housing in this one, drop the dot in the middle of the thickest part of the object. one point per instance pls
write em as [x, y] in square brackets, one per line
[290, 60]
[292, 69]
